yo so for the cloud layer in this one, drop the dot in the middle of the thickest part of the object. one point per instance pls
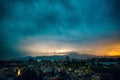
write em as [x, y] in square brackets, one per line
[69, 23]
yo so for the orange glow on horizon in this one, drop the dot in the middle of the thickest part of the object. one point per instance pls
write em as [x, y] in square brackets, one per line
[52, 49]
[114, 53]
[113, 50]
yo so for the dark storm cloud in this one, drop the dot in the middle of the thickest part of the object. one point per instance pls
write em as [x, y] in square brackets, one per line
[115, 12]
[66, 21]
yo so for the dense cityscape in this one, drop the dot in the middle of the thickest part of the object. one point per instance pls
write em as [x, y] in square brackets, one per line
[59, 39]
[67, 69]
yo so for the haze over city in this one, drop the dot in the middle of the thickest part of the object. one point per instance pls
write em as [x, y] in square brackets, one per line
[56, 27]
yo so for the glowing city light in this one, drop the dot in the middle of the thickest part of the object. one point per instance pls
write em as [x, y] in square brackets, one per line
[19, 72]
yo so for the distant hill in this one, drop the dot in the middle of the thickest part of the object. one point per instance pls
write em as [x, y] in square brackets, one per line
[55, 57]
[39, 57]
[76, 55]
[72, 55]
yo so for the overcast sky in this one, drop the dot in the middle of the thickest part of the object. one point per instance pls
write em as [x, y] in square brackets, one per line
[41, 27]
